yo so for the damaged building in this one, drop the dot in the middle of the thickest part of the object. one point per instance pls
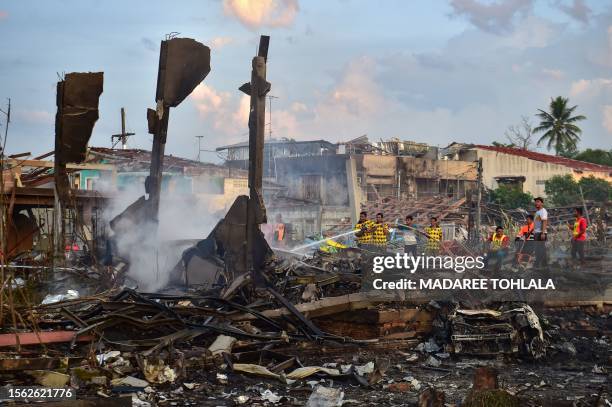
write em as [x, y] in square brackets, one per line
[527, 170]
[224, 318]
[326, 185]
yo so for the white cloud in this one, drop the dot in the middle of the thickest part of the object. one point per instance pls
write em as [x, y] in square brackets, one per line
[556, 74]
[488, 82]
[607, 117]
[356, 93]
[298, 107]
[589, 88]
[220, 109]
[262, 13]
[219, 42]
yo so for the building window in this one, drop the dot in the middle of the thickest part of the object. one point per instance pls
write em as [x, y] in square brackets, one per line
[540, 182]
[311, 187]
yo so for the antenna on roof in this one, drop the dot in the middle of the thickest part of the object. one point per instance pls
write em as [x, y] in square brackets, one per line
[199, 147]
[123, 136]
[270, 97]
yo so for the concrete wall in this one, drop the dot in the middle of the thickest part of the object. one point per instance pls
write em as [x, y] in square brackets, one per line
[304, 218]
[497, 164]
[291, 172]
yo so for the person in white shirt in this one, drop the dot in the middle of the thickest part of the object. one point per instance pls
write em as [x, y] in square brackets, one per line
[540, 222]
[410, 240]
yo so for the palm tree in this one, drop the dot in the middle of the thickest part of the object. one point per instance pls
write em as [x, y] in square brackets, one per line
[558, 125]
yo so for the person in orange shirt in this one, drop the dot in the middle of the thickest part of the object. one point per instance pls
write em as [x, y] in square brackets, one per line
[526, 232]
[578, 235]
[524, 240]
[279, 230]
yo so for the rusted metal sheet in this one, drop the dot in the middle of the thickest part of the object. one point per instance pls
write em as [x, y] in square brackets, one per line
[21, 232]
[77, 112]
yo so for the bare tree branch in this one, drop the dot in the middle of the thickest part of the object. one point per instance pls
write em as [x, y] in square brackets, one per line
[521, 134]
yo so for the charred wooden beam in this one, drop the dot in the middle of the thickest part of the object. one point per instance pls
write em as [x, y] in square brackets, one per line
[183, 64]
[77, 112]
[257, 89]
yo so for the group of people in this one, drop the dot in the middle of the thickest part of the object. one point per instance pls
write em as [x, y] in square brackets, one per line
[531, 238]
[377, 233]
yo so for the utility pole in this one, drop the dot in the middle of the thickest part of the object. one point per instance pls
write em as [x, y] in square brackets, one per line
[123, 136]
[6, 126]
[478, 199]
[270, 97]
[5, 215]
[199, 147]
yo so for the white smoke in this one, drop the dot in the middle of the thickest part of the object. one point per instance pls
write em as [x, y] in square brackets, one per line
[153, 254]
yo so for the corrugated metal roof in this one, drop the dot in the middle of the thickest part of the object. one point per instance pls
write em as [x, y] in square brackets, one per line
[137, 156]
[276, 141]
[547, 158]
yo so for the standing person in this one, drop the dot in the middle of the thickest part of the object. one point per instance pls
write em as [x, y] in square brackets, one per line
[410, 239]
[578, 235]
[499, 247]
[380, 235]
[434, 236]
[524, 239]
[279, 231]
[540, 225]
[364, 229]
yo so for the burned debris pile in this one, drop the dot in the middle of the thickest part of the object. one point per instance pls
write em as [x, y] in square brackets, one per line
[245, 319]
[239, 344]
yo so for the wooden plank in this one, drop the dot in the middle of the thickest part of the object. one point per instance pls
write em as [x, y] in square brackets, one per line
[123, 401]
[564, 304]
[333, 305]
[33, 338]
[309, 348]
[50, 164]
[18, 364]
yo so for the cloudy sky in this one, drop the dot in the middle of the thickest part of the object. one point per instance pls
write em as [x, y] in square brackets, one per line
[431, 71]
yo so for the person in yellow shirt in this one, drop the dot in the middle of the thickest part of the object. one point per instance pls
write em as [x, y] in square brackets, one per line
[363, 229]
[434, 236]
[498, 248]
[380, 234]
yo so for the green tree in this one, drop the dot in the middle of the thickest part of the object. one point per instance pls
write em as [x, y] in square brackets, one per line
[558, 125]
[568, 151]
[595, 189]
[510, 197]
[562, 190]
[595, 156]
[499, 144]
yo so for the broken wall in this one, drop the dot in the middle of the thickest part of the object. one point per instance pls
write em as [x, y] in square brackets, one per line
[319, 179]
